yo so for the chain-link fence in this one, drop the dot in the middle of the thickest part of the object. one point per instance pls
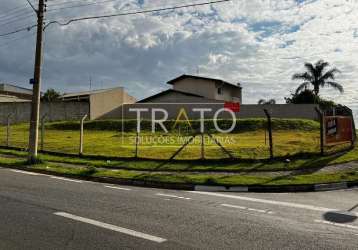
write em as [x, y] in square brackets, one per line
[250, 139]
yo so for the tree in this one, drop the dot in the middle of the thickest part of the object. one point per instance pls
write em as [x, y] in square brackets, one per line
[318, 77]
[307, 96]
[51, 95]
[304, 97]
[264, 102]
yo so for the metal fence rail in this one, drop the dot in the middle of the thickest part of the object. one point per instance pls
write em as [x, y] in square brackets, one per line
[265, 143]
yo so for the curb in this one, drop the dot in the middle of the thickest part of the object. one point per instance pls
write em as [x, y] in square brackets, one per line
[279, 189]
[204, 188]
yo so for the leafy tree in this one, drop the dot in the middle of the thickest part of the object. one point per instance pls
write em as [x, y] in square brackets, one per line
[308, 97]
[51, 95]
[265, 102]
[318, 77]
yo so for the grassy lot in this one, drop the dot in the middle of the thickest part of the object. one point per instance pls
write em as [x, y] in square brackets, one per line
[188, 178]
[109, 153]
[304, 163]
[104, 138]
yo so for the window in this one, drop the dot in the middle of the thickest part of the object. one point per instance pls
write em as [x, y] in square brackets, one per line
[220, 91]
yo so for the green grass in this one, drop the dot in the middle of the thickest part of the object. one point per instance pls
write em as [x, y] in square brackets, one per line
[243, 125]
[297, 140]
[308, 163]
[182, 178]
[104, 138]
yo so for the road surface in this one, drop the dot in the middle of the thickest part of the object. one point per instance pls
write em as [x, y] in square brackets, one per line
[45, 212]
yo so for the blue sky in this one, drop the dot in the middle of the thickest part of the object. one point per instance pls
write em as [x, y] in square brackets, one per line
[259, 43]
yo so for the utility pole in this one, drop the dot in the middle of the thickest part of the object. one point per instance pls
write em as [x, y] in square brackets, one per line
[36, 92]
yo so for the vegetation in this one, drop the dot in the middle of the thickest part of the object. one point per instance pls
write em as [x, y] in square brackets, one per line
[317, 76]
[304, 163]
[266, 102]
[250, 141]
[242, 125]
[308, 97]
[51, 95]
[184, 178]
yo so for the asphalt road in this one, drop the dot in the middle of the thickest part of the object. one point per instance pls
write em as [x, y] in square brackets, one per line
[43, 212]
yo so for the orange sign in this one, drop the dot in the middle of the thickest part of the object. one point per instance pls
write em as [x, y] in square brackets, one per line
[338, 129]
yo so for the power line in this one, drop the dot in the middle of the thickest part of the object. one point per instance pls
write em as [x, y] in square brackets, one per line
[32, 6]
[16, 39]
[134, 12]
[80, 5]
[72, 2]
[13, 11]
[19, 14]
[18, 30]
[15, 20]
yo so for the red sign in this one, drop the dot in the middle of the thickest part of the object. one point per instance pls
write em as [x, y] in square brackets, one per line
[233, 106]
[338, 129]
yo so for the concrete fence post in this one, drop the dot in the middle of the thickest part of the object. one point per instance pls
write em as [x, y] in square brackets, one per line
[321, 122]
[269, 128]
[8, 130]
[81, 134]
[136, 145]
[43, 131]
[202, 146]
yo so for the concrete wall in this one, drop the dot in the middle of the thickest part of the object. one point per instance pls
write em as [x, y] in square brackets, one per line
[288, 111]
[62, 111]
[104, 102]
[304, 111]
[57, 111]
[208, 89]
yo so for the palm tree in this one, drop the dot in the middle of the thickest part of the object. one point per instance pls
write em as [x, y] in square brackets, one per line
[264, 102]
[318, 77]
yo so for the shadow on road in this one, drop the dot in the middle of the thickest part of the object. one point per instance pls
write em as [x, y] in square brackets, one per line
[340, 217]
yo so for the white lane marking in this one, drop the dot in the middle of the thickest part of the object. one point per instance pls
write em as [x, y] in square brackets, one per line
[112, 227]
[119, 188]
[248, 209]
[336, 224]
[24, 172]
[280, 203]
[173, 196]
[65, 179]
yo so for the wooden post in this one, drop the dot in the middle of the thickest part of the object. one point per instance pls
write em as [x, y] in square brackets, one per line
[8, 130]
[269, 128]
[43, 131]
[81, 134]
[321, 121]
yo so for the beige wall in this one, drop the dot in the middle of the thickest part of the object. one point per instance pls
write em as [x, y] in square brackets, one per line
[208, 89]
[104, 102]
[197, 86]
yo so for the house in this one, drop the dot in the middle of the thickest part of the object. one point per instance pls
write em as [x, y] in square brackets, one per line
[15, 91]
[100, 101]
[190, 88]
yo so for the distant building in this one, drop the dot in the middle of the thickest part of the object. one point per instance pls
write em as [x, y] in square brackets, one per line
[101, 101]
[189, 88]
[15, 91]
[11, 99]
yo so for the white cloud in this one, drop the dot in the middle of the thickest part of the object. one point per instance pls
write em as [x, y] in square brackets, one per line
[260, 43]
